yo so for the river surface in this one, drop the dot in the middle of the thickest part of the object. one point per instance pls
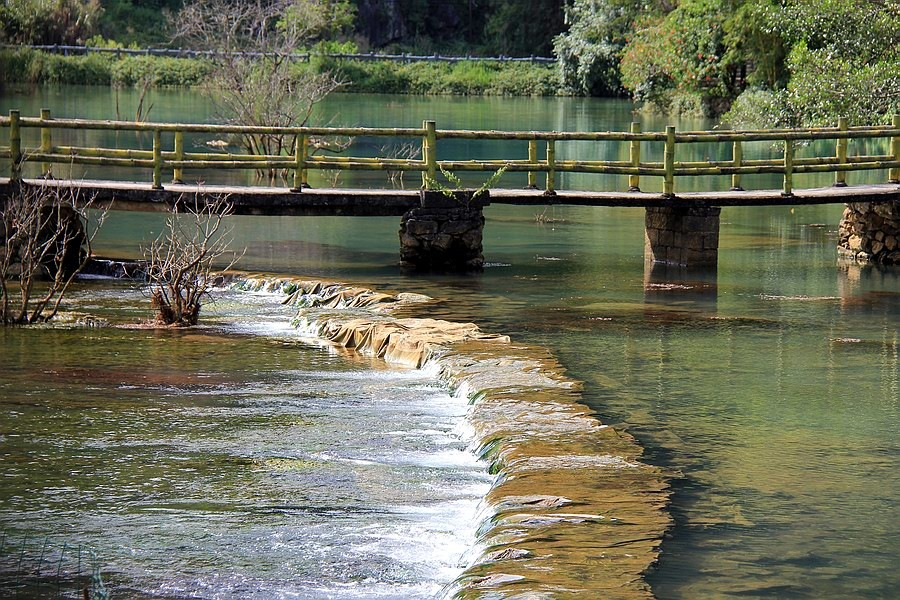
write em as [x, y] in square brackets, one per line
[213, 462]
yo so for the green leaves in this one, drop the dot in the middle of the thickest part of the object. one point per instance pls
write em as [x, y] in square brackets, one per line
[457, 184]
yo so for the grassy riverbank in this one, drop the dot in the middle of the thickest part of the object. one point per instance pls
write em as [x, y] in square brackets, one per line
[463, 78]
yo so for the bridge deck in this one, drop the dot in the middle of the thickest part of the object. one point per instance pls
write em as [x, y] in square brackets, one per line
[135, 196]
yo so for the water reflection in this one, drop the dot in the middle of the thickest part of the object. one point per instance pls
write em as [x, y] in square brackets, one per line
[676, 285]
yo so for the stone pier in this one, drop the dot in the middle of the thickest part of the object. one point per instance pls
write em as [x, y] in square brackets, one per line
[443, 234]
[684, 236]
[870, 233]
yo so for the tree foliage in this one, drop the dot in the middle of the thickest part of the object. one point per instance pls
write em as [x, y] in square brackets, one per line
[48, 21]
[681, 53]
[142, 22]
[590, 51]
[820, 58]
[842, 59]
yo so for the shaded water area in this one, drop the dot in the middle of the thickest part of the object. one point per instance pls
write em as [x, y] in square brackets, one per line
[766, 391]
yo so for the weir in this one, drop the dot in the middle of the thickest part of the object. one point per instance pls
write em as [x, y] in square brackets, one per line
[682, 228]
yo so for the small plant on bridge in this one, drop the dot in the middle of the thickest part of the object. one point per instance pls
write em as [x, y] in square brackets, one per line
[47, 236]
[456, 186]
[182, 258]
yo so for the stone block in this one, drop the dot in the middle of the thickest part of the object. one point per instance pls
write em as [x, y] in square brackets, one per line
[692, 240]
[409, 241]
[459, 227]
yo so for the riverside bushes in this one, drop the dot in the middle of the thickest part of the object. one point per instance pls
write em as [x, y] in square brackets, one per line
[466, 78]
[24, 65]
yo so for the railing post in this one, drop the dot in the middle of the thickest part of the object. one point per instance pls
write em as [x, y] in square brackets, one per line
[840, 177]
[178, 172]
[157, 160]
[301, 152]
[532, 158]
[788, 187]
[429, 154]
[551, 168]
[634, 153]
[737, 155]
[894, 175]
[46, 145]
[15, 146]
[669, 163]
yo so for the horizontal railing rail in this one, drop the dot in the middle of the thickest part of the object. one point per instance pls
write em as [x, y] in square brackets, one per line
[300, 156]
[66, 50]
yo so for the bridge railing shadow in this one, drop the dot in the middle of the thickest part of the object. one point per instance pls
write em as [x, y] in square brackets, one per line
[542, 156]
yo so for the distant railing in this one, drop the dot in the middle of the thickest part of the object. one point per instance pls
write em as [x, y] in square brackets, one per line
[300, 56]
[301, 160]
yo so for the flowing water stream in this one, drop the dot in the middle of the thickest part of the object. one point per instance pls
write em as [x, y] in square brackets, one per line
[239, 460]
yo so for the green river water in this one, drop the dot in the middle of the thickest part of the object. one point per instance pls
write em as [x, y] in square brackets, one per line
[767, 390]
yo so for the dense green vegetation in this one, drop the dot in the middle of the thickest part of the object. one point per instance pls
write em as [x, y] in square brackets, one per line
[784, 62]
[462, 78]
[32, 66]
[771, 62]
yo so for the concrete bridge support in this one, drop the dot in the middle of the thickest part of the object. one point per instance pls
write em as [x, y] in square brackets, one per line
[683, 236]
[443, 234]
[870, 233]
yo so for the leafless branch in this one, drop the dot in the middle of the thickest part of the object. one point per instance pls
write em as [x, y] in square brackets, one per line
[48, 237]
[181, 259]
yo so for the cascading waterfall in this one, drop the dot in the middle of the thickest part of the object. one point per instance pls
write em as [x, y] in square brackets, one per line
[573, 509]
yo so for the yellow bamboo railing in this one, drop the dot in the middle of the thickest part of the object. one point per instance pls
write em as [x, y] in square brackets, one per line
[299, 159]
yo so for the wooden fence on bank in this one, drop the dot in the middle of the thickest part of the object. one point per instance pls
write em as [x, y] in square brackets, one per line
[298, 56]
[299, 160]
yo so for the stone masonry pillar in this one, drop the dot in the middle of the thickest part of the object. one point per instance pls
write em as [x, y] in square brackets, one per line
[870, 233]
[443, 234]
[684, 236]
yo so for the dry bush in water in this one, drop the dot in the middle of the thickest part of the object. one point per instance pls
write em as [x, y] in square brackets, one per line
[47, 237]
[181, 259]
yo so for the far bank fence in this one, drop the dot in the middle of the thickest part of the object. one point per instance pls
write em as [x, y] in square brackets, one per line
[172, 156]
[299, 56]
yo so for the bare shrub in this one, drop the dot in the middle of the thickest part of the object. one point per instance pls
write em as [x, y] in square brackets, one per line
[47, 239]
[253, 82]
[182, 258]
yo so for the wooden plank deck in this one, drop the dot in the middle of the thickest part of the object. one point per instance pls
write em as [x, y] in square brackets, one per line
[274, 201]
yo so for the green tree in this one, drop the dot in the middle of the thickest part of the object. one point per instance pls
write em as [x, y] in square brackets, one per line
[144, 23]
[680, 56]
[590, 51]
[48, 22]
[841, 59]
[523, 27]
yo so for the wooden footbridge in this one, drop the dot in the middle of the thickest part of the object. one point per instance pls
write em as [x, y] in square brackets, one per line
[40, 148]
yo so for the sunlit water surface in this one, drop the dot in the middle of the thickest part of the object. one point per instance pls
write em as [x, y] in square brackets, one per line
[231, 462]
[768, 389]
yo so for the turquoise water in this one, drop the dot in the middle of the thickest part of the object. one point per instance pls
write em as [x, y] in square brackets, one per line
[767, 389]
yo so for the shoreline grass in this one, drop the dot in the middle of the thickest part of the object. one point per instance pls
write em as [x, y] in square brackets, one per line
[474, 78]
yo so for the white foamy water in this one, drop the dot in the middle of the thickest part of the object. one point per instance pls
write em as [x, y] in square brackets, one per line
[278, 470]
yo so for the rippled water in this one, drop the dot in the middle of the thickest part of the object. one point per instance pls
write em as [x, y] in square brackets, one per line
[232, 462]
